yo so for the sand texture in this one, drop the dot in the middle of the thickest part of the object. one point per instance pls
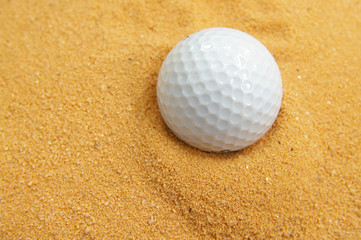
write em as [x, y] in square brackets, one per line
[85, 154]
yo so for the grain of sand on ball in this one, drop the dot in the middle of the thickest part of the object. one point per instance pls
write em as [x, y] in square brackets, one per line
[84, 152]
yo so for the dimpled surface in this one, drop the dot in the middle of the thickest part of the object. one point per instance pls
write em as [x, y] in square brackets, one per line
[219, 89]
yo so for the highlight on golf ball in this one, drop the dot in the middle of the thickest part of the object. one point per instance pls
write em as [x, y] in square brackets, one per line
[219, 89]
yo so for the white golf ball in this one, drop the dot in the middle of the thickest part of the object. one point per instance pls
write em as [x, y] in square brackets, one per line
[219, 89]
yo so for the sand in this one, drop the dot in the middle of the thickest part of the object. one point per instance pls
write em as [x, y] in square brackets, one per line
[85, 154]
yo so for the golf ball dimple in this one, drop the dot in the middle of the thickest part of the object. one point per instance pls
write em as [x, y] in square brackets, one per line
[219, 89]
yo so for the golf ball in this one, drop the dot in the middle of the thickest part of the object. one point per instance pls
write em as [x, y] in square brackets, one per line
[219, 89]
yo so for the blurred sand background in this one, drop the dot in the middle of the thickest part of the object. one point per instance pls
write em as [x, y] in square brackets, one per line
[85, 154]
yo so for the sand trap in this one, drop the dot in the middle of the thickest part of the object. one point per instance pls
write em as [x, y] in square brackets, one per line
[84, 152]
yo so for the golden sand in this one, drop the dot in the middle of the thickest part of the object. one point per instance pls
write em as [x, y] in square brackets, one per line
[84, 153]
